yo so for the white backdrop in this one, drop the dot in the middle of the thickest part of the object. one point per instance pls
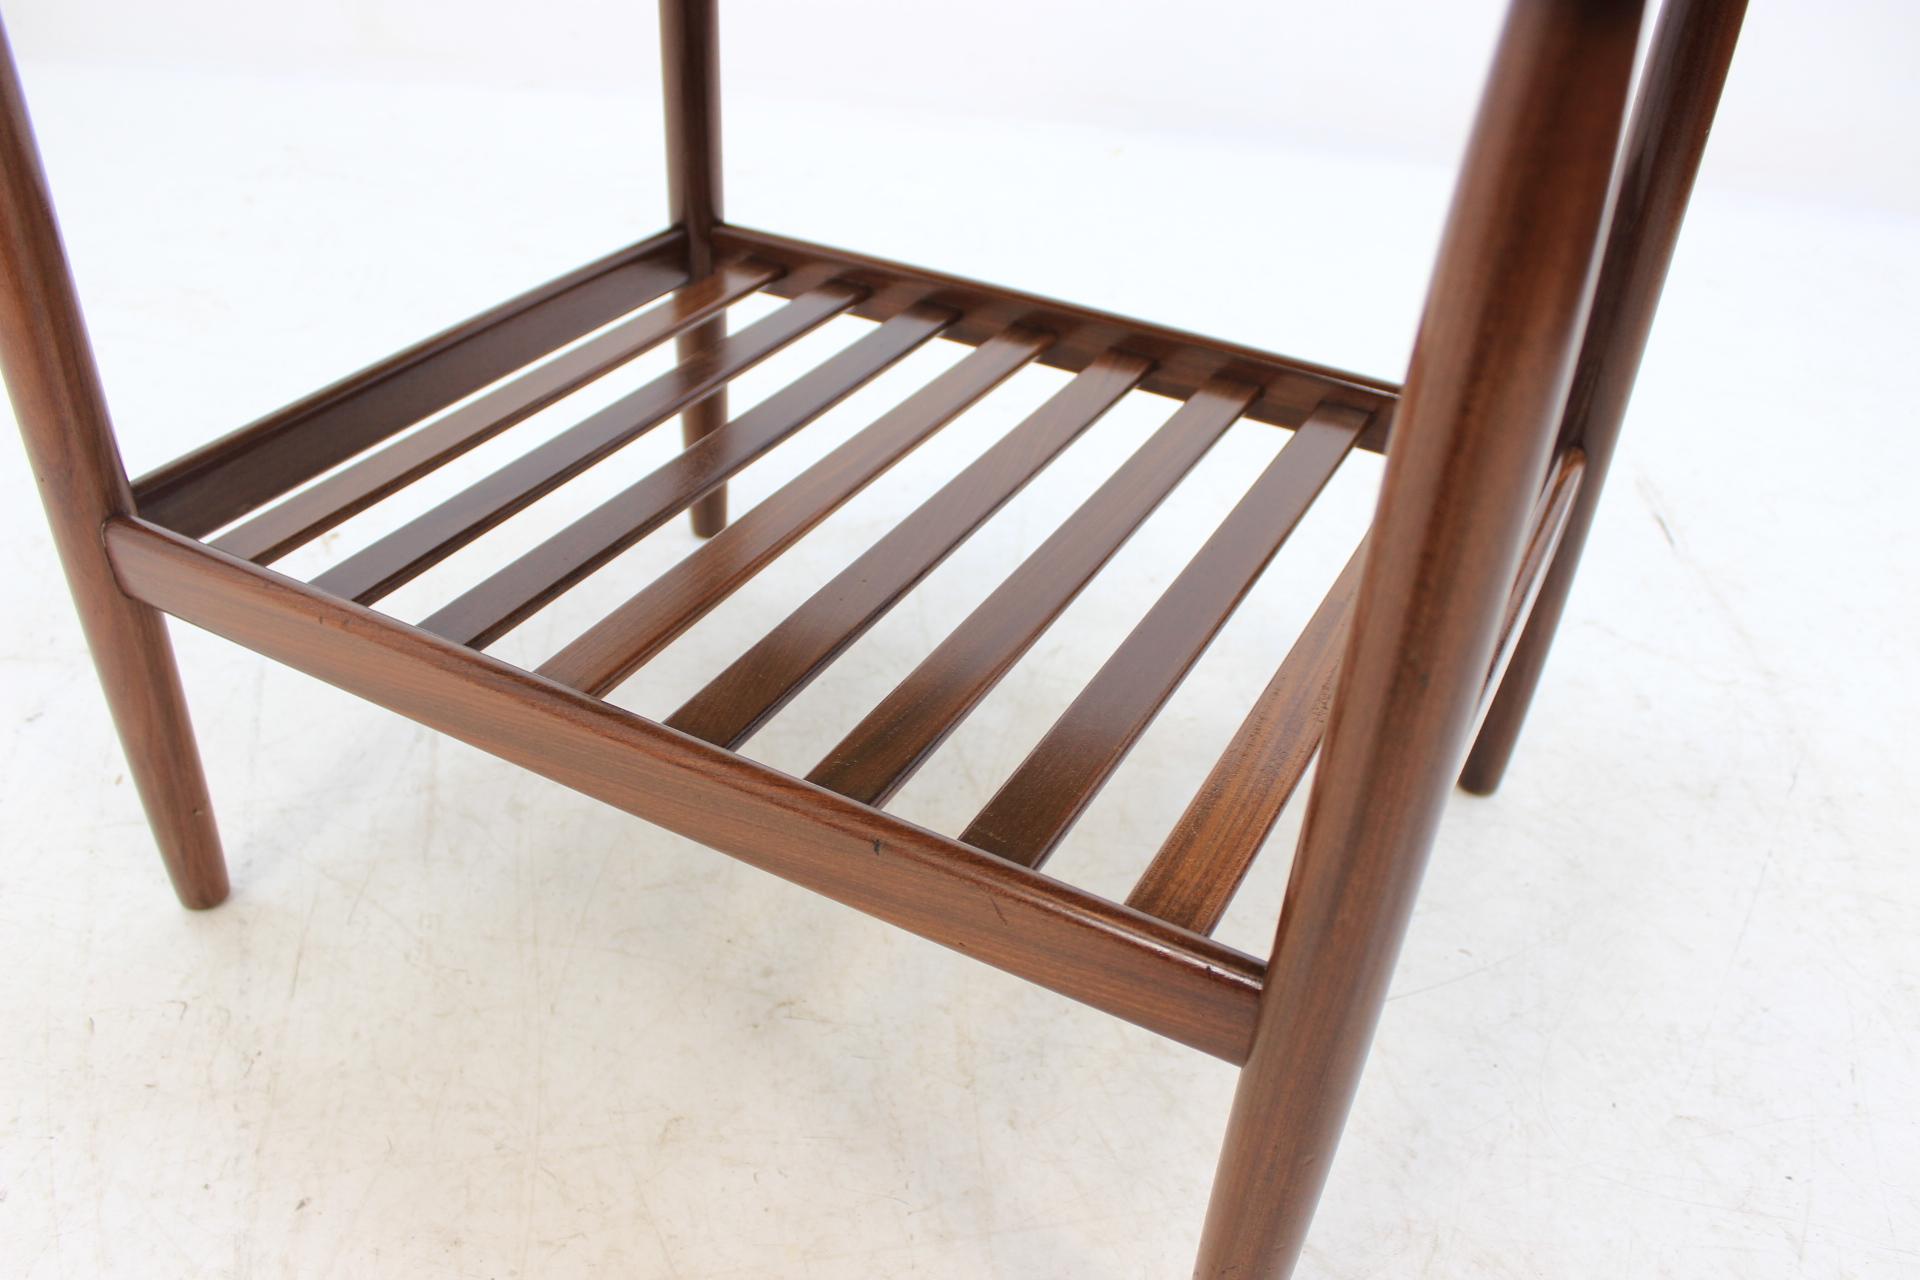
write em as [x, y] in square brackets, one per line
[1279, 171]
[1822, 104]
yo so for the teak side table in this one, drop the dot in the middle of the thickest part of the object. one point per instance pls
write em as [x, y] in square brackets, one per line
[1549, 271]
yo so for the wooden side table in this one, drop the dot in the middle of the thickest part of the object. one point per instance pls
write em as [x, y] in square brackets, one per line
[1551, 266]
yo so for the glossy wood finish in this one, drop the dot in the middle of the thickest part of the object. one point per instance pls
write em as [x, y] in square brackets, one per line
[55, 388]
[1183, 363]
[347, 492]
[880, 753]
[1168, 980]
[619, 644]
[510, 596]
[762, 680]
[1036, 807]
[1672, 115]
[205, 489]
[1207, 855]
[1203, 860]
[702, 418]
[1491, 480]
[1476, 425]
[430, 537]
[1551, 516]
[690, 88]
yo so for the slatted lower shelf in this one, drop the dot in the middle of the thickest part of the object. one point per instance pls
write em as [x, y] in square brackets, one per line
[1186, 883]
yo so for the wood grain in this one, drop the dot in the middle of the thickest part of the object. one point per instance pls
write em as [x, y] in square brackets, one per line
[515, 592]
[1476, 428]
[1552, 514]
[763, 679]
[690, 95]
[1203, 860]
[430, 537]
[1499, 441]
[1182, 362]
[313, 510]
[1172, 982]
[248, 468]
[1035, 808]
[1679, 93]
[880, 753]
[55, 388]
[620, 643]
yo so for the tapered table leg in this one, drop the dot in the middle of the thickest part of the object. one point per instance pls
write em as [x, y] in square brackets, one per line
[1679, 93]
[1469, 450]
[56, 395]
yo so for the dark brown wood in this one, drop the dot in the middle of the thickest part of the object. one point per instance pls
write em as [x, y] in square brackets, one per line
[1036, 807]
[512, 595]
[1672, 114]
[619, 644]
[1182, 362]
[1168, 980]
[708, 516]
[313, 510]
[690, 89]
[430, 537]
[1476, 425]
[1544, 536]
[55, 388]
[1201, 863]
[761, 681]
[1203, 860]
[880, 753]
[250, 467]
[1505, 427]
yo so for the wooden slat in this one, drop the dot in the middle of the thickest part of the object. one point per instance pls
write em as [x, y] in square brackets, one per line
[619, 644]
[513, 594]
[1203, 860]
[1172, 982]
[762, 680]
[1039, 804]
[877, 757]
[248, 468]
[1207, 854]
[432, 536]
[1182, 362]
[312, 511]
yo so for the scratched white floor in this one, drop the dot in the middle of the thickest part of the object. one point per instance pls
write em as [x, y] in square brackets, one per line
[1659, 1014]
